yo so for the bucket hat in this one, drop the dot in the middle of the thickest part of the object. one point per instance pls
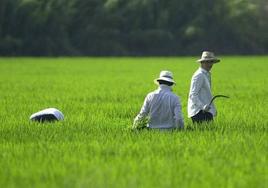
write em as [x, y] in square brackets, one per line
[165, 76]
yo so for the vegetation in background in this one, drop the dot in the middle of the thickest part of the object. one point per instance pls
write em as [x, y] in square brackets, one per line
[132, 27]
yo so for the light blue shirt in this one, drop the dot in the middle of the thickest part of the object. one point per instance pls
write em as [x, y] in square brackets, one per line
[163, 108]
[200, 93]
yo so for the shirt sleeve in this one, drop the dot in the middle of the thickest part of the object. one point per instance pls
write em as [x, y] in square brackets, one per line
[196, 84]
[178, 117]
[144, 110]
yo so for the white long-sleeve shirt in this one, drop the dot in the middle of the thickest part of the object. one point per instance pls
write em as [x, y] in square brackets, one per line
[200, 93]
[163, 108]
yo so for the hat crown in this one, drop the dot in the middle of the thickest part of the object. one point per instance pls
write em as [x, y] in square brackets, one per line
[207, 55]
[166, 74]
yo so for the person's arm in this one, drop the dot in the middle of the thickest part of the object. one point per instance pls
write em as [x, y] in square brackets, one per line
[178, 117]
[143, 112]
[196, 84]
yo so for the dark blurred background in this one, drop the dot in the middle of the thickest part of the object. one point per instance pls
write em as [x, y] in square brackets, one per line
[132, 27]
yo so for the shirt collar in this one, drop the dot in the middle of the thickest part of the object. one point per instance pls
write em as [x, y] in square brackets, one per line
[165, 87]
[204, 71]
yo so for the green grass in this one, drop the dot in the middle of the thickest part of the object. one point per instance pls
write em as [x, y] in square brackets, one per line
[99, 97]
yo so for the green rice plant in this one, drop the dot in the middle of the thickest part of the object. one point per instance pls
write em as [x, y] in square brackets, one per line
[140, 124]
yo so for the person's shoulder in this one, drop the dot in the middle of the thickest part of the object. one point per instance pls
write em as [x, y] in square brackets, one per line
[176, 99]
[198, 74]
[151, 93]
[174, 95]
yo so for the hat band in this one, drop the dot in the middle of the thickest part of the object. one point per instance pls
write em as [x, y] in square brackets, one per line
[167, 76]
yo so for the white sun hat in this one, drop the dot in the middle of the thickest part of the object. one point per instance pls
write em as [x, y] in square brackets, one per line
[165, 76]
[208, 56]
[49, 114]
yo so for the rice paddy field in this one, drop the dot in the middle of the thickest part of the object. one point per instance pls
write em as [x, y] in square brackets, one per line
[94, 147]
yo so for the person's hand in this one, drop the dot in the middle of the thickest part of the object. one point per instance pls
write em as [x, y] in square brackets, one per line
[206, 108]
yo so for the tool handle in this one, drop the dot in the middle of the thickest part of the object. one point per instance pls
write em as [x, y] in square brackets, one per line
[216, 96]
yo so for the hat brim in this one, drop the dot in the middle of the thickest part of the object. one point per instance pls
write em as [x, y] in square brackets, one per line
[214, 60]
[164, 79]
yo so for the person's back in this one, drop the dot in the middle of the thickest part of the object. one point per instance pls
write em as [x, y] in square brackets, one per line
[162, 106]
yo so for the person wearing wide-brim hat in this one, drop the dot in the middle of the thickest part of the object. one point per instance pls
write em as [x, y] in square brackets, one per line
[199, 109]
[47, 115]
[162, 107]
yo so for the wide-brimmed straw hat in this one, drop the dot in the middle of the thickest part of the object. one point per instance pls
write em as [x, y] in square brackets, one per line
[208, 56]
[165, 76]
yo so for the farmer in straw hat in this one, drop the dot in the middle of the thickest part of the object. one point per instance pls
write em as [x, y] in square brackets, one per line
[162, 106]
[199, 109]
